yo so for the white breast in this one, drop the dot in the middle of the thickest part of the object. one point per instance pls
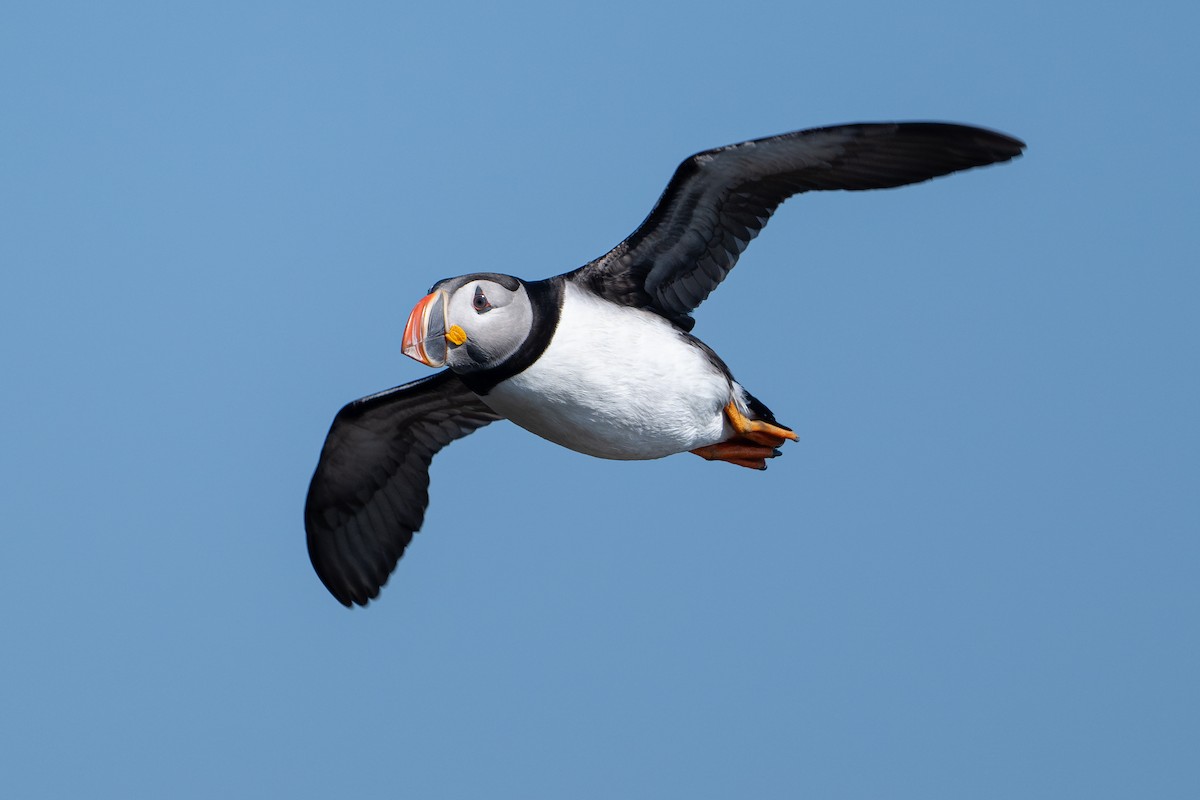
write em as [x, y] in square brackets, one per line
[616, 382]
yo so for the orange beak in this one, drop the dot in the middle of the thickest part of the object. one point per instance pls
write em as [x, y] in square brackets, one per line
[425, 332]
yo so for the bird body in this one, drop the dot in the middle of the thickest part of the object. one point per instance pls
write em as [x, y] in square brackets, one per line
[599, 359]
[619, 382]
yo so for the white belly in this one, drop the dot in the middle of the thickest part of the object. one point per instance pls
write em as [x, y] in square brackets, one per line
[615, 382]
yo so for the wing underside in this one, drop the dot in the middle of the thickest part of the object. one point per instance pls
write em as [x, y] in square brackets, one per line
[371, 486]
[718, 201]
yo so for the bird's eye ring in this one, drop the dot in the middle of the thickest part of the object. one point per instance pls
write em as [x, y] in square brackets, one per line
[480, 302]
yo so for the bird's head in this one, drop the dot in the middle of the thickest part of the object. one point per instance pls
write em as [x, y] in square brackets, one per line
[470, 322]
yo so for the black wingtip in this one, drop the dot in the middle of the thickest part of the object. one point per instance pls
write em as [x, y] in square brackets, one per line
[977, 132]
[1002, 146]
[991, 144]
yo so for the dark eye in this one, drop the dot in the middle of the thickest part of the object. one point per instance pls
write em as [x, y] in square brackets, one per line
[480, 302]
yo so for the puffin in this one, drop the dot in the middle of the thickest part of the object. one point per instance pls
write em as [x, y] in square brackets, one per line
[600, 359]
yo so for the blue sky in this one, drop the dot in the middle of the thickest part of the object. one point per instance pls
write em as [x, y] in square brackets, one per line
[974, 576]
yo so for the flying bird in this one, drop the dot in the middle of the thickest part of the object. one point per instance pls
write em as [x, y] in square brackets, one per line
[600, 359]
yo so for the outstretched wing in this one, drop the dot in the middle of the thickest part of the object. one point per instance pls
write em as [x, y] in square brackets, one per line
[371, 487]
[719, 200]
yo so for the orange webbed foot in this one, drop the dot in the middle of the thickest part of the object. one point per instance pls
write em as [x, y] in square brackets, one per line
[738, 451]
[757, 430]
[755, 441]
